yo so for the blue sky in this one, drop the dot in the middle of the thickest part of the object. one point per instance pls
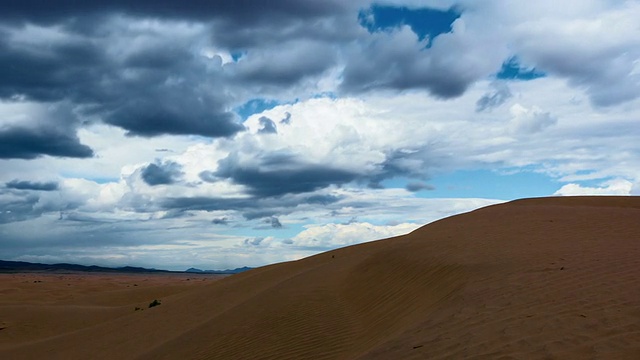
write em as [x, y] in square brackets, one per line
[223, 135]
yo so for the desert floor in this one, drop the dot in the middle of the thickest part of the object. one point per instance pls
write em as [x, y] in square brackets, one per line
[41, 305]
[555, 278]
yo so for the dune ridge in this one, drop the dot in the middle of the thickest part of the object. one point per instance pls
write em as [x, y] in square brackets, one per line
[534, 278]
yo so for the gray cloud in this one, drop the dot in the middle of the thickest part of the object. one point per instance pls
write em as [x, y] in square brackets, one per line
[529, 121]
[282, 178]
[251, 208]
[607, 75]
[159, 88]
[322, 199]
[287, 119]
[166, 173]
[30, 185]
[494, 99]
[285, 65]
[247, 11]
[268, 126]
[398, 60]
[25, 143]
[418, 186]
[13, 208]
[220, 221]
[401, 162]
[275, 222]
[253, 241]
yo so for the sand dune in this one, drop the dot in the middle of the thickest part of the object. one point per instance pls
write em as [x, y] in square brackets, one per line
[531, 279]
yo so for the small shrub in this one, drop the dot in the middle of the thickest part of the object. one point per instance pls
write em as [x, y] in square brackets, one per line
[154, 303]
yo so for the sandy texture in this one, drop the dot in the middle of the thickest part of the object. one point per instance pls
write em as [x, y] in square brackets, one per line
[532, 279]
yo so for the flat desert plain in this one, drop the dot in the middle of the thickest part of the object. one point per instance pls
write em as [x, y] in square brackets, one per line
[551, 278]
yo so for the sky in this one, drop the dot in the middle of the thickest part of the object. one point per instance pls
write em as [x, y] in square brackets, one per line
[242, 133]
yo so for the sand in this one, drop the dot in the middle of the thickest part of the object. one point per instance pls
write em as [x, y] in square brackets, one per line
[554, 278]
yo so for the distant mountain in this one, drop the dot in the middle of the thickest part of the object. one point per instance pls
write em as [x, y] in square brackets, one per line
[16, 266]
[227, 271]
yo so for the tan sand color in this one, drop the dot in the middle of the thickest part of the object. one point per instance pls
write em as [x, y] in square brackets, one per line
[552, 278]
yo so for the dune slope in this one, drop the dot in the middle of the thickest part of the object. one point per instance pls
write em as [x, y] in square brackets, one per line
[534, 278]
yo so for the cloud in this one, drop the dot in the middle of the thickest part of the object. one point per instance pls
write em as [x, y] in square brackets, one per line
[284, 66]
[611, 187]
[256, 241]
[220, 221]
[24, 143]
[158, 86]
[418, 186]
[29, 185]
[554, 42]
[399, 60]
[166, 173]
[282, 175]
[268, 126]
[495, 98]
[337, 235]
[286, 120]
[530, 120]
[275, 223]
[240, 11]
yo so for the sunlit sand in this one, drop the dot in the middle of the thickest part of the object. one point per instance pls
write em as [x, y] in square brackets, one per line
[530, 279]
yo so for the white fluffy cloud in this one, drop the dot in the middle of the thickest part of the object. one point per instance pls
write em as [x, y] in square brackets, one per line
[611, 187]
[333, 235]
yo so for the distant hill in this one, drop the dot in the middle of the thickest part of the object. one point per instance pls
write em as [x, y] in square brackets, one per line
[227, 271]
[17, 266]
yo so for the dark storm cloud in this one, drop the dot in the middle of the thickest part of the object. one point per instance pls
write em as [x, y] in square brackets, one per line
[23, 143]
[29, 185]
[281, 173]
[267, 126]
[324, 21]
[278, 182]
[48, 73]
[160, 87]
[287, 178]
[494, 99]
[166, 173]
[157, 115]
[249, 11]
[251, 208]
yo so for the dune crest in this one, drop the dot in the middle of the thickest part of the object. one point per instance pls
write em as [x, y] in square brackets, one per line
[534, 278]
